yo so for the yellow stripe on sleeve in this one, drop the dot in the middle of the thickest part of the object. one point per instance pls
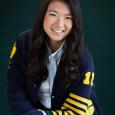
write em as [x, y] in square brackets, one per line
[76, 104]
[90, 103]
[70, 113]
[59, 112]
[54, 113]
[62, 108]
[66, 111]
[13, 51]
[74, 109]
[79, 98]
[90, 110]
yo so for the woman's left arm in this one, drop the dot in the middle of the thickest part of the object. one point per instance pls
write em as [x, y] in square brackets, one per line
[82, 97]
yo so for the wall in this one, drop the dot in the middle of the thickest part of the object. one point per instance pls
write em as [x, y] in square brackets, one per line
[19, 15]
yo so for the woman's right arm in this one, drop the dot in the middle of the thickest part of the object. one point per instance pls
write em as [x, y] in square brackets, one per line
[16, 90]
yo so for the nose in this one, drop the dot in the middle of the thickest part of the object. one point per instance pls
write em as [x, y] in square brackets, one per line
[60, 22]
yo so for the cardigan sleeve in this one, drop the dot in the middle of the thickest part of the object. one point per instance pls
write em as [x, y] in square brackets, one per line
[82, 97]
[16, 97]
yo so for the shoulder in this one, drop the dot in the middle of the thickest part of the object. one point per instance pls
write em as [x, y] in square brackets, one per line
[86, 61]
[22, 44]
[24, 37]
[23, 41]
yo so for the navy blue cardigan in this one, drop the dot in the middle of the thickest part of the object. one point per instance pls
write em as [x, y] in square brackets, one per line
[22, 95]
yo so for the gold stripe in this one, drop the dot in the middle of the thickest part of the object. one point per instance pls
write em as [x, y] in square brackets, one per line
[54, 113]
[59, 112]
[92, 78]
[70, 112]
[63, 108]
[74, 109]
[65, 113]
[89, 103]
[13, 51]
[90, 110]
[76, 104]
[79, 98]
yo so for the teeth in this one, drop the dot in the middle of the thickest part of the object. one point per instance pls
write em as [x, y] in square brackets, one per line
[59, 31]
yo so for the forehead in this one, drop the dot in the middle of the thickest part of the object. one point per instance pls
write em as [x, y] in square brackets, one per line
[59, 6]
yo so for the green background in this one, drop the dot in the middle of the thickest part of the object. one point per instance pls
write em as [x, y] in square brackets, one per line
[98, 15]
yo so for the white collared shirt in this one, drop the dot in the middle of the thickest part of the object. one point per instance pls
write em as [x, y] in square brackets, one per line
[44, 95]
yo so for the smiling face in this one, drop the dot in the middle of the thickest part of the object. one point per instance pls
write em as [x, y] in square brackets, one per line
[57, 22]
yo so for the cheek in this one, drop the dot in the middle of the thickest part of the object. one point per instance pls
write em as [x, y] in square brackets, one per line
[48, 22]
[46, 25]
[69, 26]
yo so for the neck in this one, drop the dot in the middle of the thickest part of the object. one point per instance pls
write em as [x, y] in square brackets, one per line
[55, 45]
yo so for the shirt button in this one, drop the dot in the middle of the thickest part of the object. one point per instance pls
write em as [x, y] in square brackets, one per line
[53, 96]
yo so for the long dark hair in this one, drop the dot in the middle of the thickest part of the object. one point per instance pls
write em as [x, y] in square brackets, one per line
[73, 47]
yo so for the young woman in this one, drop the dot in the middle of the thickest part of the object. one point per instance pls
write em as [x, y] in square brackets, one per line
[50, 71]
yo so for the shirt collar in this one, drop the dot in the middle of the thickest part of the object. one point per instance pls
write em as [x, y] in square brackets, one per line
[57, 54]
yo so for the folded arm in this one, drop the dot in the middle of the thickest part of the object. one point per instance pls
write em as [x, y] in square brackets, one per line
[77, 102]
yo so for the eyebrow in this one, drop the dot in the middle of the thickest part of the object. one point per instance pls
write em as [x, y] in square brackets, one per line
[53, 11]
[58, 13]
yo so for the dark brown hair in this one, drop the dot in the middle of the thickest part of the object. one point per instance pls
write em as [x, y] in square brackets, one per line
[69, 63]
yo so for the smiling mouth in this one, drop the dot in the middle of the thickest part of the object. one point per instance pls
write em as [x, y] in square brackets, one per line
[57, 30]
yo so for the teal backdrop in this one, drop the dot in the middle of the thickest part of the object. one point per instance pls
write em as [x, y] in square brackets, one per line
[98, 17]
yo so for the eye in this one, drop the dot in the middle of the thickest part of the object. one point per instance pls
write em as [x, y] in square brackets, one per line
[52, 14]
[69, 17]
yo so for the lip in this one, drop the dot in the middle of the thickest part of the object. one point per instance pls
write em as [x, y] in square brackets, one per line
[58, 31]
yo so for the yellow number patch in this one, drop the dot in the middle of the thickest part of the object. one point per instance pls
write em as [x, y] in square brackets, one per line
[89, 77]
